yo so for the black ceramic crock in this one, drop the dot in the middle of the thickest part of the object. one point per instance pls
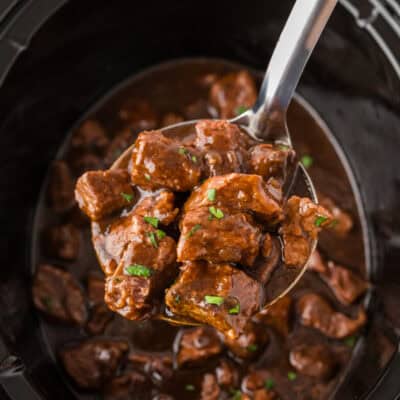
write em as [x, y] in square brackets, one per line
[58, 57]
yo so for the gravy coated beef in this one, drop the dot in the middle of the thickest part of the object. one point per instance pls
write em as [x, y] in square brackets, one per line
[277, 316]
[216, 294]
[58, 294]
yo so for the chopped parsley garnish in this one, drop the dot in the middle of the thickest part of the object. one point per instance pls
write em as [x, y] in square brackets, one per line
[283, 147]
[177, 299]
[193, 231]
[190, 388]
[241, 110]
[350, 341]
[153, 239]
[333, 223]
[147, 176]
[307, 161]
[319, 220]
[194, 159]
[235, 310]
[153, 221]
[160, 234]
[269, 383]
[292, 376]
[252, 347]
[138, 270]
[216, 300]
[236, 394]
[216, 212]
[182, 151]
[127, 197]
[211, 194]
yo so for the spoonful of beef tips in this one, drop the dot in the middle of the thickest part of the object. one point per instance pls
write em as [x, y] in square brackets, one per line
[211, 221]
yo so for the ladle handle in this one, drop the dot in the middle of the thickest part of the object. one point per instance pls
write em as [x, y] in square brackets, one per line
[303, 28]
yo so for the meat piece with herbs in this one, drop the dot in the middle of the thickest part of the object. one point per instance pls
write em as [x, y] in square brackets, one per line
[217, 235]
[342, 222]
[216, 294]
[314, 360]
[209, 388]
[58, 294]
[238, 192]
[233, 94]
[159, 162]
[197, 345]
[100, 193]
[269, 258]
[315, 312]
[258, 385]
[303, 221]
[62, 241]
[93, 362]
[90, 136]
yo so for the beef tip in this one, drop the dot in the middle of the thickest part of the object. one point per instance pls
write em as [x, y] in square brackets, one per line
[58, 294]
[223, 146]
[127, 386]
[197, 345]
[277, 315]
[232, 238]
[62, 241]
[100, 316]
[90, 136]
[100, 193]
[254, 386]
[95, 287]
[233, 93]
[315, 360]
[269, 161]
[209, 388]
[138, 115]
[216, 294]
[157, 366]
[171, 119]
[119, 143]
[238, 192]
[316, 263]
[269, 260]
[303, 221]
[60, 191]
[93, 362]
[160, 206]
[343, 222]
[317, 313]
[227, 375]
[160, 162]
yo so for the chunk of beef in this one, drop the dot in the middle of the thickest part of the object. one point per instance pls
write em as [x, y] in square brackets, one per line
[233, 93]
[99, 318]
[171, 119]
[100, 193]
[303, 221]
[238, 192]
[227, 375]
[253, 385]
[62, 241]
[90, 136]
[60, 191]
[200, 285]
[160, 162]
[197, 345]
[160, 206]
[93, 362]
[315, 360]
[138, 115]
[127, 386]
[58, 294]
[119, 143]
[157, 366]
[233, 238]
[223, 146]
[277, 315]
[269, 259]
[209, 388]
[269, 161]
[317, 313]
[343, 222]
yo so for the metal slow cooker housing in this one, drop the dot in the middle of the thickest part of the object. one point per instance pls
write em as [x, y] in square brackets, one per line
[58, 57]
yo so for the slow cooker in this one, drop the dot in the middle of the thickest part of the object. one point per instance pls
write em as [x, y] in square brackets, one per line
[57, 57]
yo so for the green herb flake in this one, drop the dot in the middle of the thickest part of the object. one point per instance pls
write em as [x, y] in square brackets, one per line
[269, 384]
[211, 194]
[216, 212]
[127, 197]
[148, 177]
[307, 161]
[333, 223]
[292, 376]
[240, 110]
[160, 234]
[153, 239]
[182, 151]
[350, 341]
[138, 270]
[194, 159]
[193, 230]
[190, 388]
[236, 395]
[283, 147]
[153, 221]
[216, 300]
[252, 347]
[319, 220]
[177, 299]
[235, 310]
